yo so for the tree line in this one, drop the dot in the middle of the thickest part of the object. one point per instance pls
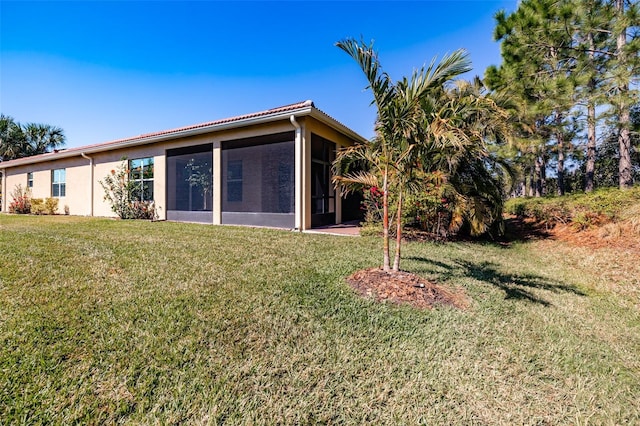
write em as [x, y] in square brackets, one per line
[570, 68]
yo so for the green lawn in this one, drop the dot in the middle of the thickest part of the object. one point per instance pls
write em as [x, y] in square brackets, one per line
[105, 321]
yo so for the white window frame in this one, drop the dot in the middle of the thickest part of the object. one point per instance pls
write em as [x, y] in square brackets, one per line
[142, 180]
[59, 182]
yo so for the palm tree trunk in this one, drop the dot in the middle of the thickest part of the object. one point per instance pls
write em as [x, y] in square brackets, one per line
[385, 221]
[396, 260]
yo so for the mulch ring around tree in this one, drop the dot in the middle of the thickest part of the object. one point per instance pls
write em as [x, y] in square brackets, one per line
[404, 288]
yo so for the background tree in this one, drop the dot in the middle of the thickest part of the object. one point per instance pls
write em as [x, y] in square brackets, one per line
[12, 139]
[17, 141]
[537, 70]
[591, 26]
[624, 68]
[42, 138]
[606, 170]
[563, 56]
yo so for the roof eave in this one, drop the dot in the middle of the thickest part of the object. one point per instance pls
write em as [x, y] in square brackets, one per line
[74, 152]
[330, 121]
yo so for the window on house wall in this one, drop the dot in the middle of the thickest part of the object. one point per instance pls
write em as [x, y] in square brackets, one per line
[234, 180]
[58, 183]
[30, 180]
[141, 175]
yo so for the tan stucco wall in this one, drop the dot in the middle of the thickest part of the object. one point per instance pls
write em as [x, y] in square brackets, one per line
[78, 171]
[76, 184]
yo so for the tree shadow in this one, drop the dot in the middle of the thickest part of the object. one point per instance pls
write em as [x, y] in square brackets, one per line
[515, 286]
[520, 229]
[516, 229]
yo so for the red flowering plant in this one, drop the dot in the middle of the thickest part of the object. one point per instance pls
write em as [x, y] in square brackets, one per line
[119, 191]
[21, 203]
[430, 209]
[372, 204]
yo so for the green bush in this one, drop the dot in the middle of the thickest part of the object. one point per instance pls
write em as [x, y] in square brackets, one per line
[581, 210]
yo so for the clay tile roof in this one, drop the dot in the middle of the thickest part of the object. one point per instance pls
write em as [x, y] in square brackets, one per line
[147, 136]
[264, 113]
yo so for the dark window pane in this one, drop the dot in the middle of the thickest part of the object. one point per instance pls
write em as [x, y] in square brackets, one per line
[322, 192]
[141, 179]
[234, 170]
[147, 191]
[190, 179]
[234, 180]
[135, 169]
[58, 183]
[234, 191]
[259, 178]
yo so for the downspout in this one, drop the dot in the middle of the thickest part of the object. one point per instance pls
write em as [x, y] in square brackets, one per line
[298, 173]
[3, 202]
[91, 169]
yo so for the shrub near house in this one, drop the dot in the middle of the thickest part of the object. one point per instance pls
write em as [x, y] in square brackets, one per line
[120, 191]
[22, 203]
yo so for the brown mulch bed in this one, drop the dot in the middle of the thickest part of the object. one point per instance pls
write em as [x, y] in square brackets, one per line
[626, 240]
[404, 288]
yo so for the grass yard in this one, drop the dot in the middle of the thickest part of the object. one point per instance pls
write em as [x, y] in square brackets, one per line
[105, 321]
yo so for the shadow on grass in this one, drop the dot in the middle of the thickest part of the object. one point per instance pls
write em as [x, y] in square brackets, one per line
[520, 229]
[516, 230]
[515, 286]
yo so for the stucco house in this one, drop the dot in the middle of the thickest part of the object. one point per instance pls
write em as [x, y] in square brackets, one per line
[269, 168]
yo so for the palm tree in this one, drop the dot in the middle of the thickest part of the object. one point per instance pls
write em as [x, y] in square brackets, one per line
[42, 138]
[400, 115]
[464, 132]
[12, 140]
[17, 141]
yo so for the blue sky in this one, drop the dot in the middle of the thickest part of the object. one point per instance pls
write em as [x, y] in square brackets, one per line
[104, 70]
